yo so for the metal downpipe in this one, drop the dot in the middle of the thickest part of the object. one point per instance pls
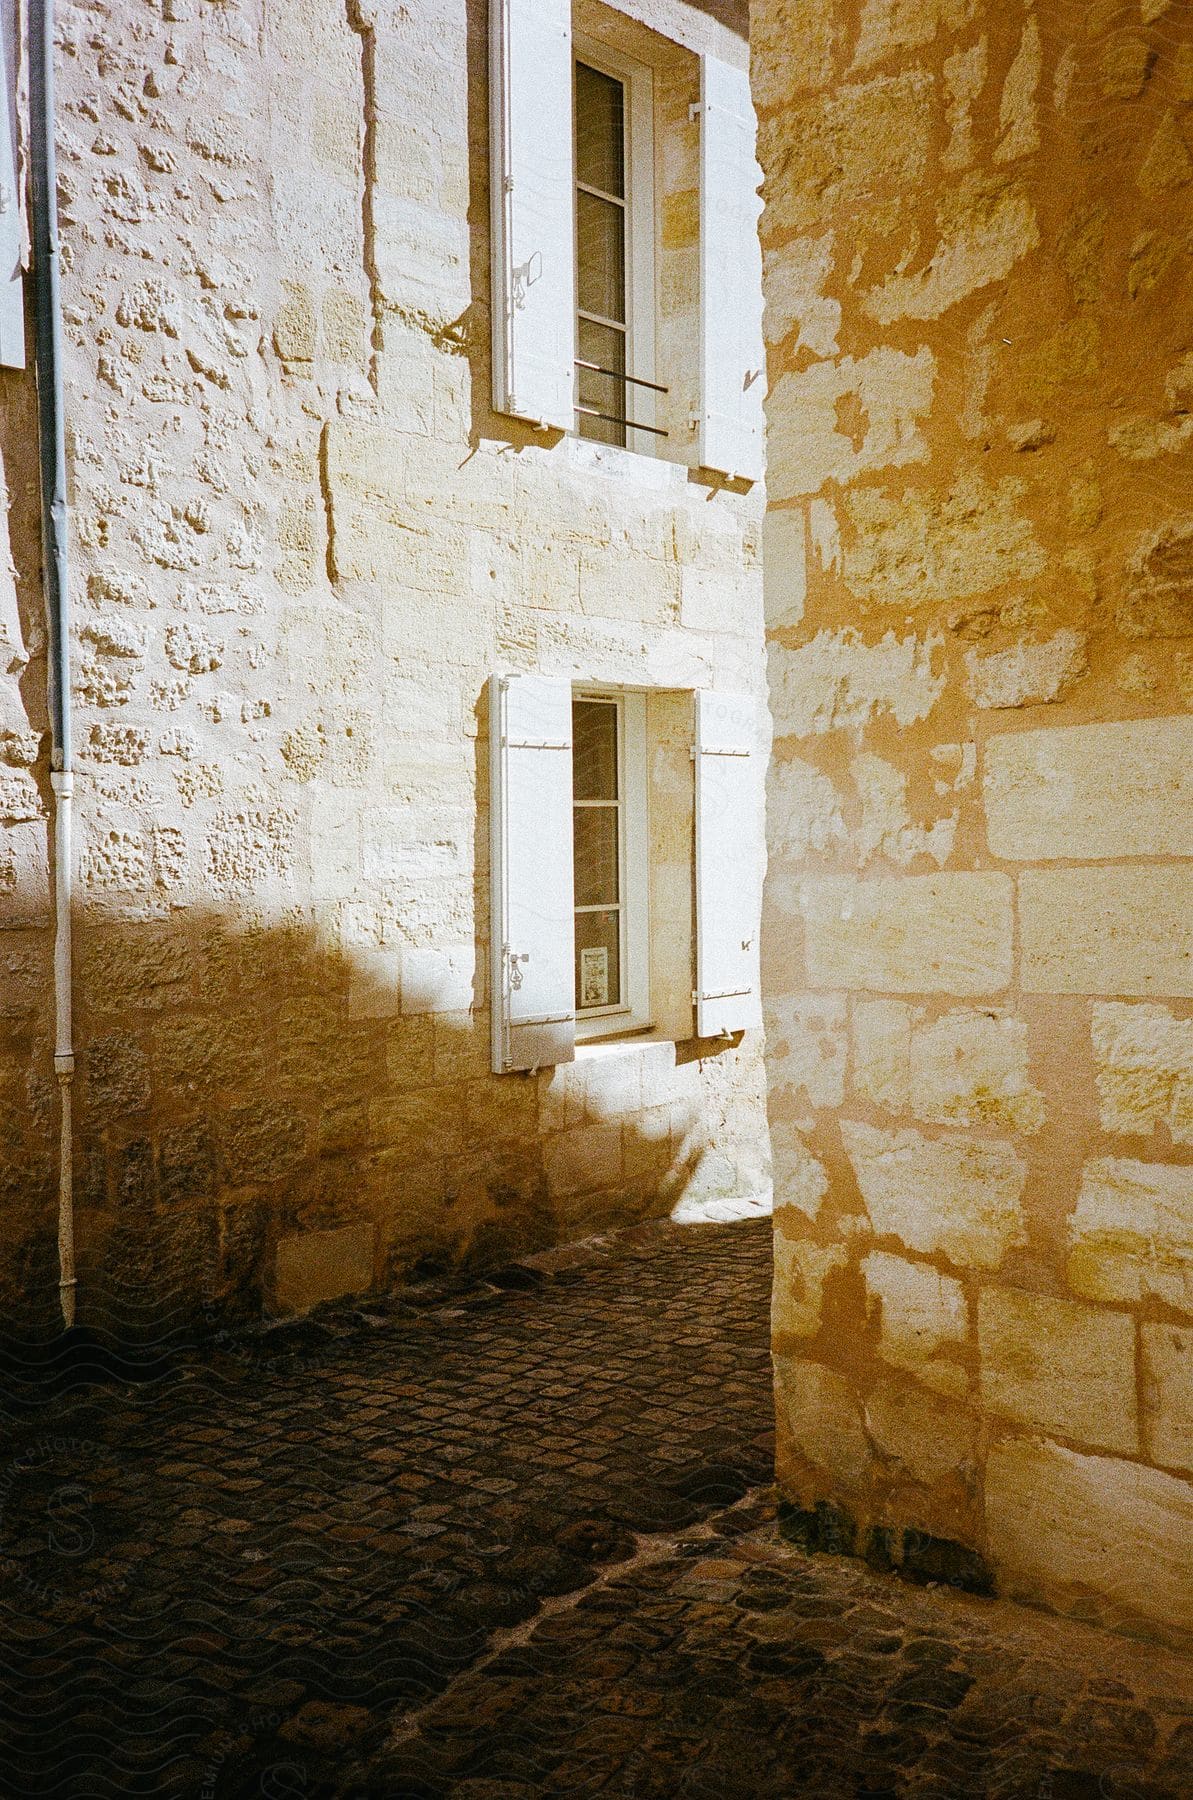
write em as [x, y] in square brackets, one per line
[55, 575]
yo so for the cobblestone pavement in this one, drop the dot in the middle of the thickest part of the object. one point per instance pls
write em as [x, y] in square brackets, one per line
[514, 1541]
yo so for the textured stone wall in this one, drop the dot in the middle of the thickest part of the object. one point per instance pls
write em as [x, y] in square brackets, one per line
[979, 938]
[302, 542]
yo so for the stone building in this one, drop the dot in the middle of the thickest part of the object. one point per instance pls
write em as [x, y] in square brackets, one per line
[413, 388]
[978, 938]
[349, 493]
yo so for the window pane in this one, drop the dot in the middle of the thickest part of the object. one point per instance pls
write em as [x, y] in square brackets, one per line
[598, 960]
[600, 256]
[600, 130]
[604, 346]
[596, 835]
[594, 735]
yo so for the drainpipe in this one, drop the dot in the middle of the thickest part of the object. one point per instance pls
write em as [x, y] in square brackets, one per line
[52, 447]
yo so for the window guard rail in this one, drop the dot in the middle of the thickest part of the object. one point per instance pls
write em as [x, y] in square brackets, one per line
[592, 412]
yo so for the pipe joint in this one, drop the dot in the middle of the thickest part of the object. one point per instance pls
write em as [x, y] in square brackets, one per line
[63, 783]
[64, 1066]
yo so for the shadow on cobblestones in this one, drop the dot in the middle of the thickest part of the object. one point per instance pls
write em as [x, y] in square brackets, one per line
[219, 1580]
[515, 1540]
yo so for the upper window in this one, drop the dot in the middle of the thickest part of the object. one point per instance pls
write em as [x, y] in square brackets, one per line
[614, 223]
[581, 279]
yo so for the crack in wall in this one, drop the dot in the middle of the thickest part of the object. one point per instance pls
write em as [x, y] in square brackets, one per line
[362, 20]
[326, 496]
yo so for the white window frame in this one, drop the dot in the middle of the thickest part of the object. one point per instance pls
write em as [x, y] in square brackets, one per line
[641, 289]
[632, 1013]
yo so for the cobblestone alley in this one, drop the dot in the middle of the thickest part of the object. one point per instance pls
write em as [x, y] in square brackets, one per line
[511, 1541]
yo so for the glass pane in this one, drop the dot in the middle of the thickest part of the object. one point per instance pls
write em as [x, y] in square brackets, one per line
[604, 346]
[600, 257]
[600, 130]
[598, 960]
[594, 735]
[596, 833]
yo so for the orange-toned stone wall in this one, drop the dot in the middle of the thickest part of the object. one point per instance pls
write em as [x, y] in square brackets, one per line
[979, 935]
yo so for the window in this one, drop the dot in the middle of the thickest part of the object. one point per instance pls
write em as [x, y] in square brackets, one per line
[610, 878]
[572, 129]
[616, 875]
[614, 227]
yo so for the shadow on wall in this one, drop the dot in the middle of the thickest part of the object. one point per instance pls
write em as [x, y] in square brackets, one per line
[249, 1137]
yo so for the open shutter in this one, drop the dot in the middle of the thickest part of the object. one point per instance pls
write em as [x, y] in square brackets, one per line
[530, 170]
[533, 917]
[12, 294]
[732, 360]
[728, 864]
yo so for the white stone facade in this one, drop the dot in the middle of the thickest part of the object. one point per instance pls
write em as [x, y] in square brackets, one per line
[302, 542]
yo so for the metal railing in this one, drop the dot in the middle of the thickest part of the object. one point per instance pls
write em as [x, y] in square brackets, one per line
[628, 424]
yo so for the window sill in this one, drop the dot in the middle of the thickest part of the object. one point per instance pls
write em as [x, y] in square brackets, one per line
[591, 1049]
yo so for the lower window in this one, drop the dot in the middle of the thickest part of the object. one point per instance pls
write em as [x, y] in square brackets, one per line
[610, 862]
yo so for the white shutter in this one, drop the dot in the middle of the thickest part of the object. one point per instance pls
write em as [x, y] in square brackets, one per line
[530, 172]
[12, 296]
[533, 917]
[732, 360]
[728, 864]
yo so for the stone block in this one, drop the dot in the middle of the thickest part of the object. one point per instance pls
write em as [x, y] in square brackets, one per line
[1106, 930]
[929, 1441]
[820, 1421]
[890, 389]
[785, 573]
[838, 680]
[1168, 1395]
[1090, 791]
[800, 1180]
[882, 1053]
[414, 1125]
[910, 934]
[1144, 1061]
[583, 1161]
[646, 1145]
[921, 1313]
[375, 982]
[888, 827]
[959, 1197]
[1131, 1235]
[1031, 672]
[806, 1045]
[923, 545]
[438, 980]
[263, 1141]
[801, 1268]
[1157, 591]
[1091, 1533]
[970, 1068]
[313, 1266]
[803, 810]
[1065, 1367]
[985, 227]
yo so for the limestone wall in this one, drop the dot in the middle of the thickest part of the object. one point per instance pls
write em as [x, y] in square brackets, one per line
[302, 542]
[979, 936]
